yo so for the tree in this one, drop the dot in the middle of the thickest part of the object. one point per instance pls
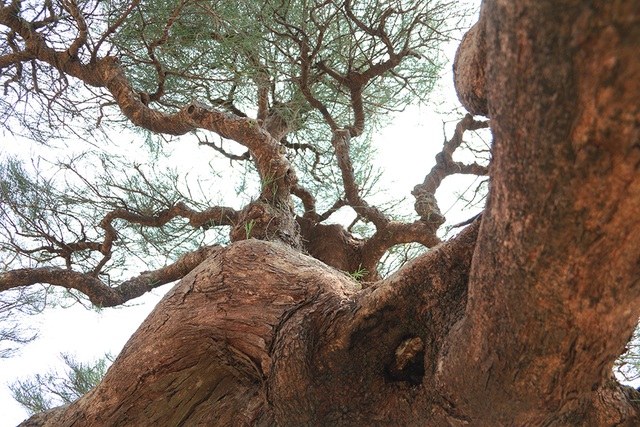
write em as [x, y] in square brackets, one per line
[53, 388]
[515, 321]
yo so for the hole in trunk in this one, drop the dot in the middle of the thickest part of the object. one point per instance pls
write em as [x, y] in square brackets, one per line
[413, 371]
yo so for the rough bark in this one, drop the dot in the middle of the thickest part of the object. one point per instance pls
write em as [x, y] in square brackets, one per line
[516, 321]
[102, 294]
[262, 335]
[469, 71]
[555, 288]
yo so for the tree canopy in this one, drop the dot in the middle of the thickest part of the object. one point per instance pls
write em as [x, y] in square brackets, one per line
[300, 85]
[281, 315]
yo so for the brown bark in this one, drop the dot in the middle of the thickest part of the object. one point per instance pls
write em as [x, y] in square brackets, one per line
[263, 335]
[99, 293]
[516, 321]
[555, 293]
[469, 71]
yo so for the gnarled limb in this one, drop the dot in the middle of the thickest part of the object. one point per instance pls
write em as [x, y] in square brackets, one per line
[108, 73]
[99, 293]
[469, 71]
[229, 325]
[426, 205]
[221, 324]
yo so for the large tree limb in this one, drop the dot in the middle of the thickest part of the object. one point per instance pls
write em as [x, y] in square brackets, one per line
[469, 71]
[395, 233]
[556, 294]
[222, 323]
[230, 324]
[107, 72]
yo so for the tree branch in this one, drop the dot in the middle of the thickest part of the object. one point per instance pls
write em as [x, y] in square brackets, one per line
[340, 142]
[107, 72]
[308, 201]
[426, 205]
[396, 233]
[112, 29]
[245, 156]
[71, 6]
[97, 291]
[210, 217]
[554, 293]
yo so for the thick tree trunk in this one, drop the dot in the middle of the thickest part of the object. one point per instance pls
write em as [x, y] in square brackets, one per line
[516, 321]
[263, 335]
[555, 293]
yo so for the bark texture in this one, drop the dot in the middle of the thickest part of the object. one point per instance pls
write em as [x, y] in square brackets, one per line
[262, 335]
[469, 71]
[554, 291]
[515, 322]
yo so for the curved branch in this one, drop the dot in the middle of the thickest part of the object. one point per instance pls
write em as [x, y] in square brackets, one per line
[112, 29]
[308, 201]
[396, 233]
[108, 73]
[97, 291]
[426, 205]
[71, 6]
[151, 51]
[340, 141]
[305, 87]
[210, 217]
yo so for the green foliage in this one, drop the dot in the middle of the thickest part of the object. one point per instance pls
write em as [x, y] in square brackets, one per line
[248, 226]
[241, 45]
[15, 306]
[45, 391]
[358, 274]
[45, 208]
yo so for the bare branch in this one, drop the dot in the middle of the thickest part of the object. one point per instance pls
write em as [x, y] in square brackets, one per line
[333, 209]
[151, 48]
[395, 233]
[340, 142]
[208, 218]
[112, 29]
[219, 149]
[305, 86]
[98, 292]
[308, 201]
[426, 205]
[71, 6]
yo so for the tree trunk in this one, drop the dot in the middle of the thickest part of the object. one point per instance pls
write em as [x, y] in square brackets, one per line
[516, 321]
